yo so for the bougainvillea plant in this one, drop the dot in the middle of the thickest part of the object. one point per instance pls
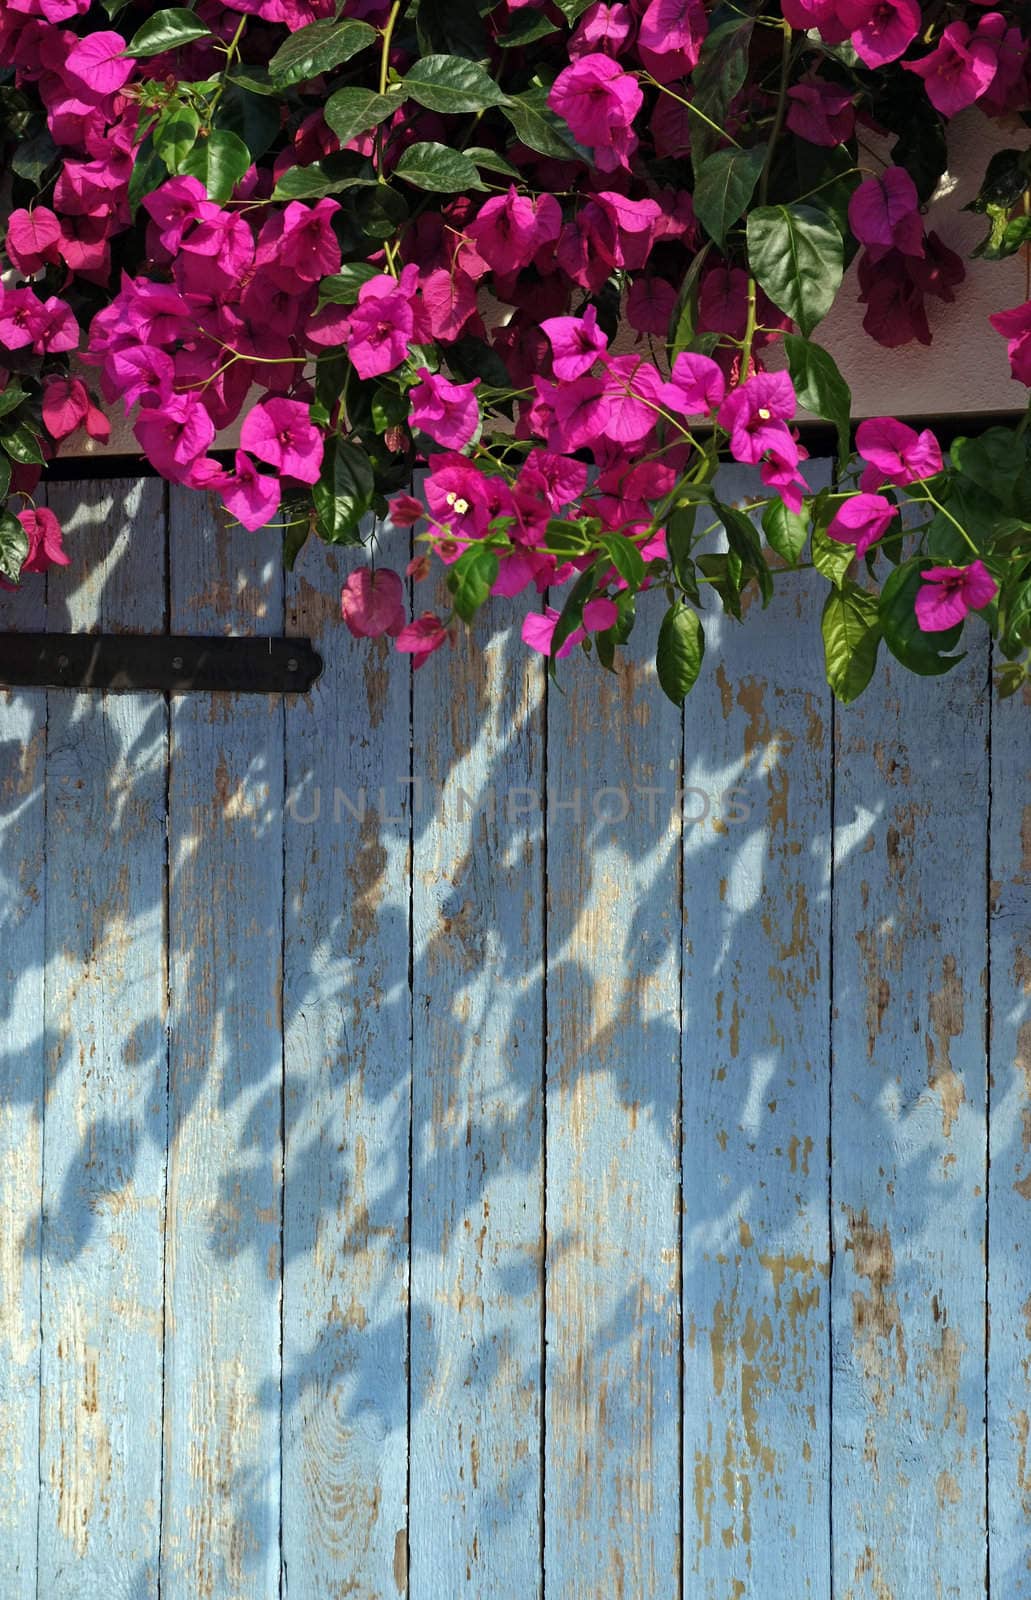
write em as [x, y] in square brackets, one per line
[518, 275]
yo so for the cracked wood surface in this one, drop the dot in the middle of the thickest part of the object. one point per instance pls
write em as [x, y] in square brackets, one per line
[381, 1257]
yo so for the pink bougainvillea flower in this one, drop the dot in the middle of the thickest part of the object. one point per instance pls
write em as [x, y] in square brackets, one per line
[576, 343]
[539, 626]
[696, 385]
[604, 28]
[456, 494]
[448, 412]
[97, 63]
[629, 400]
[175, 435]
[880, 30]
[895, 453]
[405, 511]
[819, 14]
[821, 112]
[45, 545]
[756, 413]
[421, 637]
[599, 101]
[883, 214]
[67, 407]
[509, 229]
[32, 238]
[650, 304]
[252, 497]
[298, 246]
[861, 521]
[1015, 327]
[949, 593]
[372, 603]
[282, 433]
[381, 326]
[958, 71]
[895, 312]
[175, 205]
[140, 372]
[670, 37]
[779, 470]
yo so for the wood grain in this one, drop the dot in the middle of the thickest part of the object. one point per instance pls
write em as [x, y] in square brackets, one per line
[909, 1137]
[220, 1534]
[1009, 1194]
[104, 1151]
[613, 1112]
[477, 1164]
[22, 1072]
[347, 1101]
[756, 986]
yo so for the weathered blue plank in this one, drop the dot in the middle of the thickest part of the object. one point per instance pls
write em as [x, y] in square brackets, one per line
[104, 1146]
[756, 984]
[347, 1104]
[477, 1172]
[613, 1131]
[22, 1066]
[220, 1531]
[909, 1137]
[1009, 1194]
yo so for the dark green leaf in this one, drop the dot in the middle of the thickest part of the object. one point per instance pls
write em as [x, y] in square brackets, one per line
[166, 30]
[452, 28]
[678, 658]
[350, 112]
[921, 146]
[343, 493]
[921, 652]
[32, 158]
[724, 187]
[679, 544]
[148, 173]
[1007, 176]
[379, 211]
[470, 580]
[439, 168]
[723, 572]
[527, 25]
[295, 537]
[175, 134]
[831, 558]
[5, 477]
[572, 9]
[492, 161]
[451, 85]
[219, 162]
[797, 255]
[253, 117]
[537, 126]
[11, 396]
[22, 445]
[820, 387]
[786, 531]
[745, 543]
[685, 312]
[1017, 613]
[625, 557]
[342, 288]
[715, 81]
[572, 614]
[851, 634]
[14, 547]
[311, 183]
[319, 47]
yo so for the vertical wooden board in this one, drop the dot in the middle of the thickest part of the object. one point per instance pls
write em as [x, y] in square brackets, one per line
[347, 1100]
[220, 1532]
[1009, 1196]
[756, 987]
[477, 1174]
[22, 956]
[612, 1434]
[105, 1117]
[909, 1136]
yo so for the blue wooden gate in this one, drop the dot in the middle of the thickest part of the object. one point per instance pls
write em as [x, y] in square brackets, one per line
[463, 1136]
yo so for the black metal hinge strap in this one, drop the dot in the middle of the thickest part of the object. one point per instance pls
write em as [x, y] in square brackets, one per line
[166, 663]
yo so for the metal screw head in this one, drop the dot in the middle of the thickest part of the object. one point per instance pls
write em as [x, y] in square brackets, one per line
[291, 665]
[62, 662]
[177, 663]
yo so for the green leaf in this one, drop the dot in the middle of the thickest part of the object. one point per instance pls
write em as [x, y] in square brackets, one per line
[470, 580]
[379, 211]
[831, 558]
[1007, 176]
[490, 160]
[527, 25]
[625, 557]
[343, 493]
[5, 477]
[341, 289]
[316, 180]
[923, 653]
[995, 460]
[685, 312]
[11, 396]
[1005, 238]
[724, 186]
[786, 531]
[219, 162]
[350, 112]
[678, 658]
[537, 126]
[451, 85]
[716, 79]
[851, 634]
[439, 168]
[295, 537]
[14, 547]
[32, 158]
[820, 387]
[572, 10]
[319, 47]
[745, 543]
[723, 572]
[452, 28]
[252, 116]
[148, 173]
[22, 445]
[166, 30]
[797, 254]
[572, 614]
[1017, 614]
[175, 134]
